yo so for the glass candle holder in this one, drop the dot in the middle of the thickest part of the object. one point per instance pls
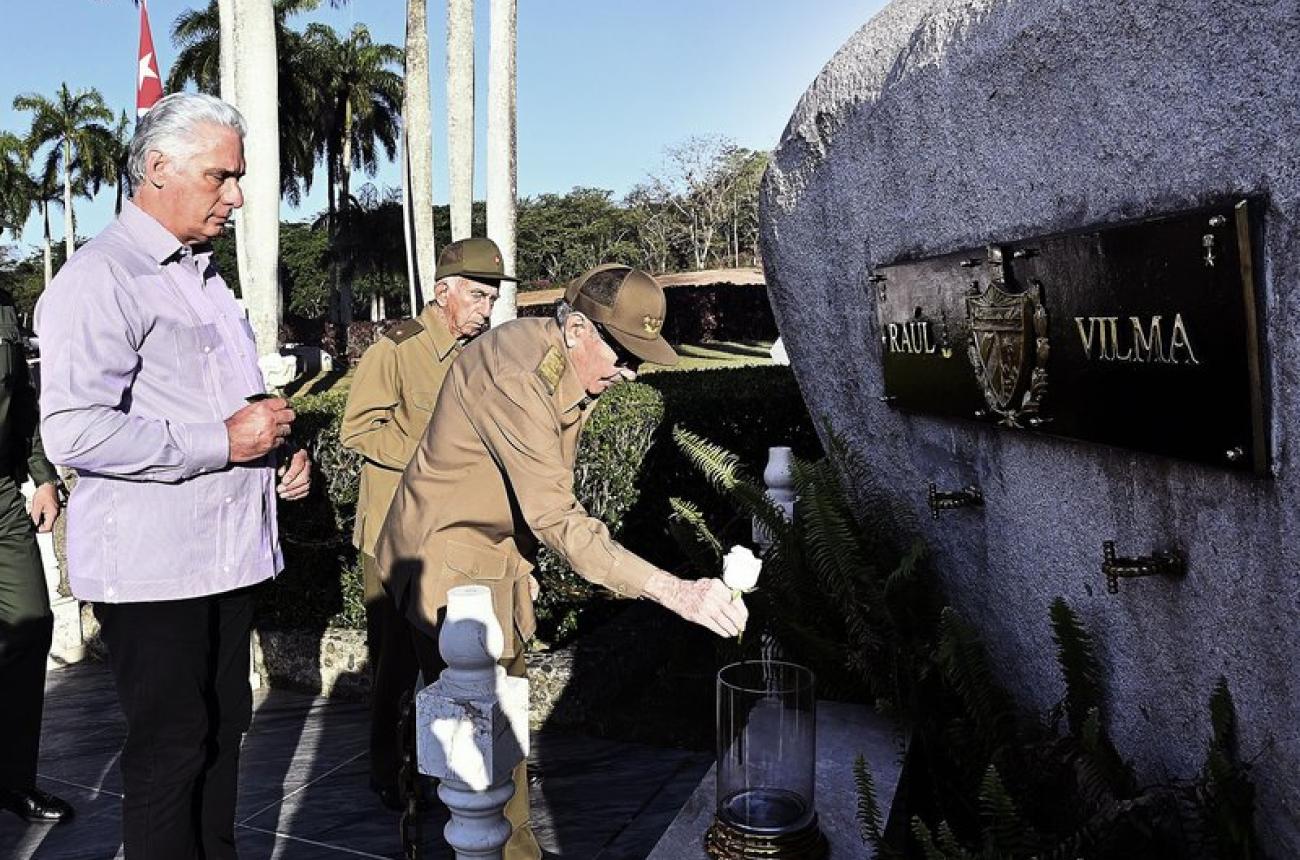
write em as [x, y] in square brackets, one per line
[767, 747]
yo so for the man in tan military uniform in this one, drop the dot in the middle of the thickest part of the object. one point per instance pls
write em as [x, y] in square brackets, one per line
[389, 404]
[493, 475]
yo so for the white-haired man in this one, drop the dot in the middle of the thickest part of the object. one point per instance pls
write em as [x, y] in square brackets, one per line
[148, 369]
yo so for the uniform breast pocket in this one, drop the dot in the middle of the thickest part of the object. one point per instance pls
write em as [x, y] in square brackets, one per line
[470, 565]
[195, 348]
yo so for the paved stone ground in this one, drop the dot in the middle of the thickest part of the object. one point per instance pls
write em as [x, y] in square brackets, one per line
[303, 791]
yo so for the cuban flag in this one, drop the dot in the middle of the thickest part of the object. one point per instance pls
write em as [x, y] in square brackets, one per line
[148, 85]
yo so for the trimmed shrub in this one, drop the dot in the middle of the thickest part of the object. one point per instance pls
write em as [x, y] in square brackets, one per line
[607, 480]
[321, 582]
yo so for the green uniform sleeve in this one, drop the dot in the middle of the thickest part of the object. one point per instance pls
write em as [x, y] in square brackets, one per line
[368, 426]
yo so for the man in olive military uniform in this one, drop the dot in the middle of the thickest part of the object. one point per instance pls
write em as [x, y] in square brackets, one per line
[389, 405]
[26, 624]
[493, 475]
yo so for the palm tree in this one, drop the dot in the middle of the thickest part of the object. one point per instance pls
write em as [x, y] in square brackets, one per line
[460, 114]
[118, 173]
[361, 103]
[502, 199]
[417, 152]
[196, 33]
[15, 185]
[73, 127]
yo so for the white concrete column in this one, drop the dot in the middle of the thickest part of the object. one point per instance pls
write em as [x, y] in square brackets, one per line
[473, 726]
[417, 135]
[501, 146]
[249, 81]
[460, 114]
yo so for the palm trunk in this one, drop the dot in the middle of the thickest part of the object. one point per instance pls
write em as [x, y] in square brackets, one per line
[345, 205]
[408, 228]
[49, 254]
[418, 133]
[501, 146]
[69, 229]
[460, 114]
[250, 72]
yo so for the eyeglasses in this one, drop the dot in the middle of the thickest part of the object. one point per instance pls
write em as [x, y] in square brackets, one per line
[623, 357]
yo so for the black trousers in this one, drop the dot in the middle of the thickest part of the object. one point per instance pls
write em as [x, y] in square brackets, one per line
[181, 669]
[393, 671]
[25, 629]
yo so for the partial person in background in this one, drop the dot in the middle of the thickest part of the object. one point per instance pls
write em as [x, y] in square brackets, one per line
[389, 404]
[493, 476]
[149, 368]
[26, 625]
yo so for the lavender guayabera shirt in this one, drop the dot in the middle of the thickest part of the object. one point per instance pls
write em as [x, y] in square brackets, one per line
[144, 354]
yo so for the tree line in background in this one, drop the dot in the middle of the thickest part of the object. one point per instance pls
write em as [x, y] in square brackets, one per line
[340, 98]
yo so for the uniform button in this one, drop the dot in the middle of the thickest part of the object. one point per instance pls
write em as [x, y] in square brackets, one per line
[230, 500]
[108, 521]
[207, 349]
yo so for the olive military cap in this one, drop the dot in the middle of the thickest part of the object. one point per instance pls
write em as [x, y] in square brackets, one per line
[629, 303]
[472, 258]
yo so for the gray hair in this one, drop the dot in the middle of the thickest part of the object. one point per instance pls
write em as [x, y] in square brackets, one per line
[562, 311]
[171, 126]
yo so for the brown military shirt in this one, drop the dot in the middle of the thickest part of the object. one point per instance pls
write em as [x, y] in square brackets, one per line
[492, 475]
[389, 405]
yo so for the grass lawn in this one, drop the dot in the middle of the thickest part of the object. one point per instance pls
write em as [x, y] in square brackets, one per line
[703, 356]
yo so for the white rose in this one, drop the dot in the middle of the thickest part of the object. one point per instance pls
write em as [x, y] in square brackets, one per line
[740, 569]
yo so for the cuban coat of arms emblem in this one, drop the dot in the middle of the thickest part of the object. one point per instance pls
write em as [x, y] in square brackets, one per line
[1008, 351]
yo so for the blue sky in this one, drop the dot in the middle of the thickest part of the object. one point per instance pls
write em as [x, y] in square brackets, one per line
[604, 85]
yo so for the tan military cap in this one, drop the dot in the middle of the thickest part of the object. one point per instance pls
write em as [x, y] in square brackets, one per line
[629, 303]
[472, 258]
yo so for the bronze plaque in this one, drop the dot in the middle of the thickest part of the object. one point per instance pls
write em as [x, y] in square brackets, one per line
[1141, 335]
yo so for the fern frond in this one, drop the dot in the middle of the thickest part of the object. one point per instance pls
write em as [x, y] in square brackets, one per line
[693, 536]
[869, 818]
[722, 470]
[1005, 832]
[925, 841]
[966, 666]
[1077, 657]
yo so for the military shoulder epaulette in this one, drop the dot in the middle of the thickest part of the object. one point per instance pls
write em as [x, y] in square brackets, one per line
[404, 330]
[552, 368]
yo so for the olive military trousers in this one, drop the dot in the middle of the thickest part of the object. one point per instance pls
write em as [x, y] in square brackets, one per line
[523, 844]
[26, 626]
[393, 670]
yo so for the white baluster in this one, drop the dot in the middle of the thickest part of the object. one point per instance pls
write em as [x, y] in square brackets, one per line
[780, 489]
[473, 726]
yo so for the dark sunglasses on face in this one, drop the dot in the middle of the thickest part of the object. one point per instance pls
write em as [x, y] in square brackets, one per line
[623, 357]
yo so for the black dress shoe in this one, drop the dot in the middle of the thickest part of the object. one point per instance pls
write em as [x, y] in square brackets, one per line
[35, 805]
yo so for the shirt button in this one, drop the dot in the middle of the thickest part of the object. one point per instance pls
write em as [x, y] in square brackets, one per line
[230, 500]
[207, 349]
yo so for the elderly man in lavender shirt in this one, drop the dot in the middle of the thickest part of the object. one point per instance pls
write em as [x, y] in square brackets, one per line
[148, 367]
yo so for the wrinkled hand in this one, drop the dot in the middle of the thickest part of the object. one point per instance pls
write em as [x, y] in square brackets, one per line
[534, 587]
[45, 507]
[295, 477]
[707, 602]
[258, 428]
